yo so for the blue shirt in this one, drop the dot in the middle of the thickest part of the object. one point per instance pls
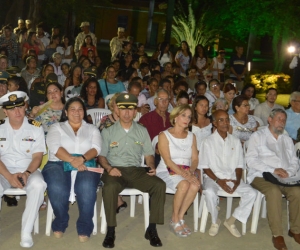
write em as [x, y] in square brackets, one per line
[292, 123]
[111, 87]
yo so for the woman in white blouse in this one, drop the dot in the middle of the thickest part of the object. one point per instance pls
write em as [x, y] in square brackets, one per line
[72, 143]
[250, 91]
[179, 160]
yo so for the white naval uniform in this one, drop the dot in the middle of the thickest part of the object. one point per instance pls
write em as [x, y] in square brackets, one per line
[223, 157]
[16, 149]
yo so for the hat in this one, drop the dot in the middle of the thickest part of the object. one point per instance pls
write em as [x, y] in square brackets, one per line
[20, 21]
[13, 99]
[13, 71]
[3, 76]
[28, 21]
[91, 71]
[121, 29]
[51, 77]
[126, 101]
[83, 24]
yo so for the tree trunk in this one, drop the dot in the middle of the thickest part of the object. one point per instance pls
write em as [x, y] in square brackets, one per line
[15, 11]
[170, 13]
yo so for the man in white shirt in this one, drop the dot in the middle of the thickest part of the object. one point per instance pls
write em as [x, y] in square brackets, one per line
[270, 150]
[221, 158]
[22, 144]
[116, 43]
[264, 109]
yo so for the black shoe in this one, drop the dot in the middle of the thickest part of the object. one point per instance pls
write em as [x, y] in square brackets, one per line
[11, 201]
[121, 207]
[151, 234]
[109, 241]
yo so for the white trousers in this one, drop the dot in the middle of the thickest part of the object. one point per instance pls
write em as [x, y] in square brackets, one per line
[242, 212]
[35, 189]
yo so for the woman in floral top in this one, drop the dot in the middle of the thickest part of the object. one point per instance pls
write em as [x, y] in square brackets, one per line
[109, 120]
[52, 113]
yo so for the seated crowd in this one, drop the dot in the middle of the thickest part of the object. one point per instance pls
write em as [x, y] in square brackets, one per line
[206, 131]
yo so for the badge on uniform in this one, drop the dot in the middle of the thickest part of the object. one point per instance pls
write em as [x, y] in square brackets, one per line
[139, 143]
[28, 138]
[114, 144]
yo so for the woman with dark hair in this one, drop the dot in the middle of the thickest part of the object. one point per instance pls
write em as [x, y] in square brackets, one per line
[17, 83]
[30, 72]
[52, 47]
[134, 64]
[126, 48]
[140, 52]
[250, 91]
[182, 98]
[183, 57]
[109, 85]
[201, 124]
[66, 49]
[129, 74]
[192, 77]
[73, 145]
[218, 65]
[75, 78]
[200, 59]
[85, 63]
[91, 94]
[65, 68]
[38, 87]
[214, 92]
[163, 55]
[242, 125]
[32, 43]
[52, 113]
[86, 46]
[229, 93]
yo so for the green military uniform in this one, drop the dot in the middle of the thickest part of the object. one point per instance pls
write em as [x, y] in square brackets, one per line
[123, 150]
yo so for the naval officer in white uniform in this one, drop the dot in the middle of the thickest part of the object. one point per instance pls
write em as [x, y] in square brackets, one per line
[22, 145]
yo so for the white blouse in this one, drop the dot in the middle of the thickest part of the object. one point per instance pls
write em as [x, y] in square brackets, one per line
[62, 135]
[201, 133]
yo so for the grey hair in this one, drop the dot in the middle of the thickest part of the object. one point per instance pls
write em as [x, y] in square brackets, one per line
[276, 111]
[294, 96]
[222, 100]
[56, 54]
[160, 91]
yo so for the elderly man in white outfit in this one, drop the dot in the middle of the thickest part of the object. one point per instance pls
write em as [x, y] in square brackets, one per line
[221, 158]
[22, 145]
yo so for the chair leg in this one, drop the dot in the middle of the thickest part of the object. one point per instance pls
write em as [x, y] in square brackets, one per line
[36, 225]
[229, 207]
[196, 211]
[146, 209]
[95, 230]
[264, 208]
[132, 205]
[103, 219]
[140, 200]
[244, 228]
[201, 206]
[49, 219]
[203, 218]
[255, 214]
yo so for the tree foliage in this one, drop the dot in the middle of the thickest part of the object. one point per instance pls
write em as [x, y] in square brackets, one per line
[189, 24]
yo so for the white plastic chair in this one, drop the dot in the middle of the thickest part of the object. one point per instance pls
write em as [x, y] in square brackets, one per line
[259, 120]
[132, 192]
[50, 217]
[97, 114]
[17, 192]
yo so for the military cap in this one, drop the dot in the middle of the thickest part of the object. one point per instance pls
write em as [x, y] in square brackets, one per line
[126, 101]
[83, 24]
[13, 99]
[51, 77]
[121, 29]
[91, 71]
[3, 76]
[13, 71]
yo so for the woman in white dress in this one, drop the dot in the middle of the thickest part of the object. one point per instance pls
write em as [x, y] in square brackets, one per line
[164, 55]
[183, 58]
[250, 91]
[179, 160]
[200, 59]
[201, 126]
[66, 49]
[218, 65]
[242, 125]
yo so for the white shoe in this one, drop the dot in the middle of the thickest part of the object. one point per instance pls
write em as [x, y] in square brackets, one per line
[26, 241]
[232, 229]
[214, 228]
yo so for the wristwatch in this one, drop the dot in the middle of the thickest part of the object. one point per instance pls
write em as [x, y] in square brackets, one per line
[84, 159]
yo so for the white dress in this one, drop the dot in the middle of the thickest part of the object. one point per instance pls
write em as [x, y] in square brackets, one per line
[166, 57]
[201, 133]
[181, 154]
[218, 65]
[243, 131]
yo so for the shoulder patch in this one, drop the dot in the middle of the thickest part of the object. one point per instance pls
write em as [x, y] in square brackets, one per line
[2, 122]
[34, 123]
[141, 124]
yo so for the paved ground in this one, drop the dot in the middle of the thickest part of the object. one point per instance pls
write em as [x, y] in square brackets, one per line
[130, 232]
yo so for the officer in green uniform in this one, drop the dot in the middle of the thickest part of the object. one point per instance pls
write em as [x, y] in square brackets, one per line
[122, 148]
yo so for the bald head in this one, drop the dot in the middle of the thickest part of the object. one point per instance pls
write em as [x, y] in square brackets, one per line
[217, 113]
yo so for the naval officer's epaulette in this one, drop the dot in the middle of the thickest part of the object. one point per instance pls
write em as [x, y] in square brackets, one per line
[141, 124]
[34, 123]
[2, 122]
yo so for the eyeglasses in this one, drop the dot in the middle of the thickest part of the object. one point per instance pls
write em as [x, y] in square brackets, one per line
[214, 85]
[163, 99]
